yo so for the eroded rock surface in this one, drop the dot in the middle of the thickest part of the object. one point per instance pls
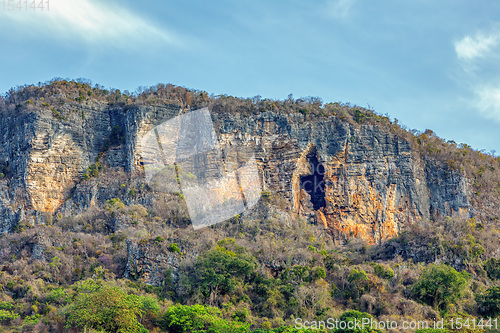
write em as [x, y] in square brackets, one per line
[355, 180]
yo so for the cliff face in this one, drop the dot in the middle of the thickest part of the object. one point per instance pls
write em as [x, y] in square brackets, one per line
[355, 180]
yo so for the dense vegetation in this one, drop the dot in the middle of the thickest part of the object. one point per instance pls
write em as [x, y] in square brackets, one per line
[245, 274]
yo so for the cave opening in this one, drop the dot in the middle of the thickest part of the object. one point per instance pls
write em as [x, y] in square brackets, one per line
[314, 183]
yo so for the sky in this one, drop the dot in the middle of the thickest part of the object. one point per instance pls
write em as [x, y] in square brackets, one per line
[430, 64]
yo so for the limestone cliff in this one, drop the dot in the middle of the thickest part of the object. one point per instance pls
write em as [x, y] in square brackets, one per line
[355, 180]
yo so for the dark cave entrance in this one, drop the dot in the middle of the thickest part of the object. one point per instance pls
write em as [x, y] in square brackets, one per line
[314, 183]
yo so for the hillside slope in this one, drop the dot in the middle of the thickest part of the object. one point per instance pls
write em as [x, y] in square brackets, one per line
[384, 203]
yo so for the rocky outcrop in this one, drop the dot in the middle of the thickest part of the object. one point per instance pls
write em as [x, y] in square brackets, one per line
[358, 181]
[355, 180]
[148, 265]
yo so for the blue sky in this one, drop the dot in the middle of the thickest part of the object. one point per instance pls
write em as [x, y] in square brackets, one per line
[431, 64]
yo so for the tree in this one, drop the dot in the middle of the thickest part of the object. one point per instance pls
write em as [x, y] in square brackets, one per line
[492, 267]
[440, 285]
[221, 268]
[489, 302]
[359, 284]
[199, 318]
[109, 308]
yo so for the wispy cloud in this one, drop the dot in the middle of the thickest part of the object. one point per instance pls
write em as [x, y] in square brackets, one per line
[339, 8]
[475, 47]
[478, 59]
[488, 101]
[89, 21]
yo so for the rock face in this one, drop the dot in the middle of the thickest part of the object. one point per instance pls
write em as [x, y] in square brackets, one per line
[149, 266]
[355, 180]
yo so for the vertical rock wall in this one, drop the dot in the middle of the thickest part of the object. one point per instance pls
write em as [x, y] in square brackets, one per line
[363, 181]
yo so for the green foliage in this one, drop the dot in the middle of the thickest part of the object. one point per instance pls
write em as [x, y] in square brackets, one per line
[58, 296]
[114, 204]
[92, 171]
[159, 240]
[299, 274]
[116, 138]
[359, 284]
[6, 316]
[4, 169]
[6, 305]
[149, 305]
[56, 114]
[355, 316]
[174, 248]
[87, 286]
[440, 285]
[383, 271]
[55, 262]
[492, 267]
[31, 320]
[108, 308]
[199, 318]
[221, 268]
[359, 117]
[489, 302]
[318, 273]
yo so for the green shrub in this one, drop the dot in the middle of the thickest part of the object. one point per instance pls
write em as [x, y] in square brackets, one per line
[6, 316]
[492, 267]
[92, 171]
[174, 248]
[116, 138]
[440, 285]
[4, 169]
[383, 272]
[359, 284]
[32, 320]
[114, 204]
[489, 302]
[108, 308]
[221, 268]
[199, 318]
[56, 114]
[355, 316]
[266, 194]
[6, 305]
[359, 117]
[58, 296]
[159, 240]
[317, 273]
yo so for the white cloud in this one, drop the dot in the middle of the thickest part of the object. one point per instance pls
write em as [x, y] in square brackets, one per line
[339, 8]
[479, 60]
[478, 46]
[488, 101]
[88, 21]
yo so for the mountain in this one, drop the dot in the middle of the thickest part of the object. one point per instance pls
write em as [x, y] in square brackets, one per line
[341, 186]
